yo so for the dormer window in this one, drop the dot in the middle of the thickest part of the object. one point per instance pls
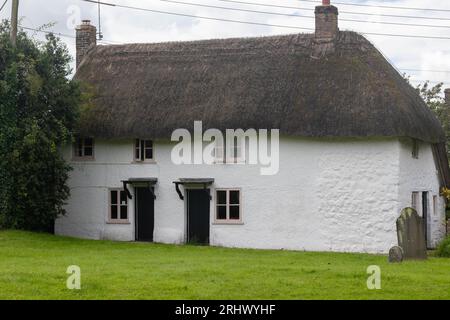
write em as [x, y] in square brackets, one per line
[143, 150]
[83, 149]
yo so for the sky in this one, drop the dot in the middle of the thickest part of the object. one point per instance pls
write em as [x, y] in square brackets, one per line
[121, 25]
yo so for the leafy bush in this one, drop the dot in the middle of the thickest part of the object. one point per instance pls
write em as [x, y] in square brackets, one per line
[38, 112]
[443, 250]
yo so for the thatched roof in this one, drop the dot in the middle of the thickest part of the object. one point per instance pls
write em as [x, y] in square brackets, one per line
[340, 89]
[441, 160]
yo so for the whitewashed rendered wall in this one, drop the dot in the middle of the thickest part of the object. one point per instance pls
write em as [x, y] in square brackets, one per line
[329, 195]
[420, 175]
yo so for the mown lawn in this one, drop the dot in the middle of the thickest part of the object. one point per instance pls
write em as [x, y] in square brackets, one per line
[33, 266]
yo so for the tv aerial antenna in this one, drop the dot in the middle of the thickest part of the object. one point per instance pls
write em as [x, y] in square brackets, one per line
[99, 33]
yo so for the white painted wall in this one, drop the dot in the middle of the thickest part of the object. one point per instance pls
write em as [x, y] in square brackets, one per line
[329, 195]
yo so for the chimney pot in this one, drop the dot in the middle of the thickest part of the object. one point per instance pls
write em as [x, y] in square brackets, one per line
[86, 38]
[326, 21]
[447, 96]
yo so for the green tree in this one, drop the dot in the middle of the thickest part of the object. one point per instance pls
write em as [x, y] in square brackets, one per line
[433, 97]
[38, 112]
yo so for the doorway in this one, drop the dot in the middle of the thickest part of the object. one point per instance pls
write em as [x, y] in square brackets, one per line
[144, 214]
[198, 206]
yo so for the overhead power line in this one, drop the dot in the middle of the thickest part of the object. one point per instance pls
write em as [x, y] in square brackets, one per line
[301, 16]
[420, 70]
[48, 32]
[198, 17]
[404, 35]
[3, 5]
[257, 23]
[381, 6]
[64, 35]
[340, 11]
[116, 42]
[432, 82]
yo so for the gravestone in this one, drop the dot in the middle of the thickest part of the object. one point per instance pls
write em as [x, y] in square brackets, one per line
[411, 235]
[396, 254]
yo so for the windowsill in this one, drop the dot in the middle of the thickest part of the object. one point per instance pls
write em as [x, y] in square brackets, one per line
[144, 162]
[227, 223]
[231, 161]
[83, 159]
[118, 222]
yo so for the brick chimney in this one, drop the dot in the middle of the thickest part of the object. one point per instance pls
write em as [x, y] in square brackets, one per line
[85, 39]
[326, 21]
[447, 96]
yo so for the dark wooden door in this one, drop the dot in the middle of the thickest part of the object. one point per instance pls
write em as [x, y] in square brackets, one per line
[145, 214]
[198, 216]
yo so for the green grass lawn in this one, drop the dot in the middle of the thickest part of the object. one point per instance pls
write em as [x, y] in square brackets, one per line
[33, 266]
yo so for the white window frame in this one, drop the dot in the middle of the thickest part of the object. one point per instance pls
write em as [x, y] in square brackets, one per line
[119, 205]
[227, 205]
[225, 158]
[142, 152]
[75, 149]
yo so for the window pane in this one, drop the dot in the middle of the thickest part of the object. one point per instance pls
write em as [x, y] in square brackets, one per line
[234, 212]
[219, 150]
[234, 197]
[88, 142]
[123, 198]
[113, 197]
[148, 143]
[88, 151]
[137, 149]
[113, 212]
[148, 153]
[221, 197]
[79, 147]
[141, 156]
[123, 212]
[221, 212]
[237, 150]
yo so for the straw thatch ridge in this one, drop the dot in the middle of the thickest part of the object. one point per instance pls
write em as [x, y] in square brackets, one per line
[340, 89]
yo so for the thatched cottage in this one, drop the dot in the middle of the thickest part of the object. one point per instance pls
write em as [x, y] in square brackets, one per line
[357, 143]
